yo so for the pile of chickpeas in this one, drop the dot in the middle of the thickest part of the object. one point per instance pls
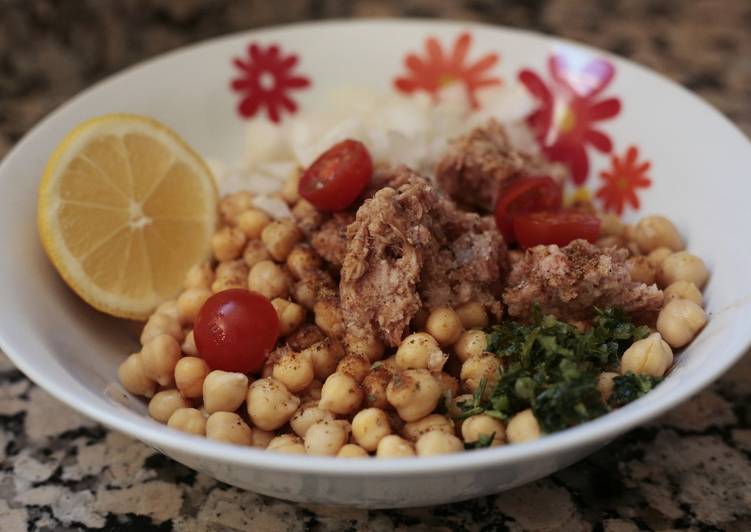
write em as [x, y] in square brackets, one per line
[658, 256]
[324, 393]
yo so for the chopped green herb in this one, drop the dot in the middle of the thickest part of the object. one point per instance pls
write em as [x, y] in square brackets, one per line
[630, 387]
[552, 367]
[569, 403]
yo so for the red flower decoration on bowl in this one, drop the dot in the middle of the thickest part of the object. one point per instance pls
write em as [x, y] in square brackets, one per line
[622, 181]
[440, 68]
[564, 123]
[266, 78]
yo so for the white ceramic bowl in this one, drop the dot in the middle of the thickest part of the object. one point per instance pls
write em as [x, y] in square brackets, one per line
[699, 172]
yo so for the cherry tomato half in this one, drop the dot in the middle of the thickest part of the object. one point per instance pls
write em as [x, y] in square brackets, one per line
[525, 194]
[235, 330]
[335, 180]
[555, 227]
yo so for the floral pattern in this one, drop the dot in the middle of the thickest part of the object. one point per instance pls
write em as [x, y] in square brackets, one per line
[266, 78]
[565, 121]
[439, 68]
[622, 181]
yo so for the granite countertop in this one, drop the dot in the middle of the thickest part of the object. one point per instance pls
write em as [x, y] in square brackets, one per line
[690, 469]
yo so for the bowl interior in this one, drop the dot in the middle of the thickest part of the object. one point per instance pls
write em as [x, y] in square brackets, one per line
[699, 166]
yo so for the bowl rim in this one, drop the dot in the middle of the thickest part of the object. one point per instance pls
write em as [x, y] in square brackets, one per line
[595, 432]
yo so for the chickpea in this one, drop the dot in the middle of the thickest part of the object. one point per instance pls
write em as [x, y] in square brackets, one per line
[159, 357]
[683, 266]
[326, 438]
[605, 384]
[268, 279]
[199, 276]
[232, 205]
[305, 336]
[168, 308]
[438, 442]
[472, 315]
[356, 366]
[390, 364]
[132, 376]
[302, 261]
[290, 192]
[325, 355]
[523, 427]
[328, 315]
[351, 450]
[279, 237]
[270, 404]
[161, 324]
[164, 404]
[254, 253]
[656, 256]
[291, 315]
[252, 222]
[294, 370]
[312, 392]
[471, 343]
[189, 345]
[680, 321]
[286, 443]
[641, 269]
[374, 388]
[341, 394]
[449, 385]
[444, 325]
[474, 427]
[651, 356]
[188, 420]
[224, 391]
[653, 232]
[414, 393]
[228, 427]
[611, 225]
[420, 351]
[372, 346]
[306, 415]
[231, 274]
[414, 429]
[261, 438]
[190, 373]
[304, 292]
[683, 290]
[227, 243]
[369, 426]
[190, 302]
[393, 446]
[475, 368]
[306, 215]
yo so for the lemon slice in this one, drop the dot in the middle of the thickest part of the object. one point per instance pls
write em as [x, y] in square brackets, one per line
[125, 208]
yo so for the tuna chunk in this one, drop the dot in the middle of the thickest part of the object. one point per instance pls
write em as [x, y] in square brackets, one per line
[569, 282]
[330, 240]
[410, 247]
[478, 163]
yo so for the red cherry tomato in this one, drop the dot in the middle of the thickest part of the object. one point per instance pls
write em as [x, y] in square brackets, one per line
[555, 227]
[525, 194]
[235, 330]
[335, 180]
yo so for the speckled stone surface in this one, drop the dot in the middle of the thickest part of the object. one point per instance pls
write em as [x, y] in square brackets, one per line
[690, 469]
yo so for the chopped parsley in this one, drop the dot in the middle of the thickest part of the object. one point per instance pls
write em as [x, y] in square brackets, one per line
[552, 367]
[630, 387]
